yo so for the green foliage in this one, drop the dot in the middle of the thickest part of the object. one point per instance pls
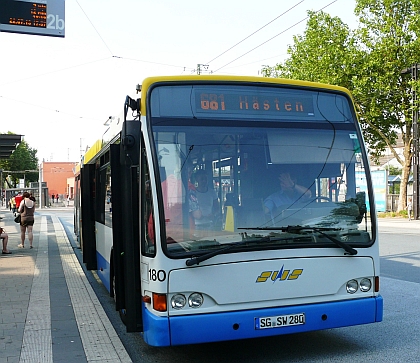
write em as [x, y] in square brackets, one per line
[322, 54]
[401, 214]
[23, 158]
[394, 189]
[392, 170]
[389, 35]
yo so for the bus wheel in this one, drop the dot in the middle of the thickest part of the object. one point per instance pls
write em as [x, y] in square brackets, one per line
[122, 312]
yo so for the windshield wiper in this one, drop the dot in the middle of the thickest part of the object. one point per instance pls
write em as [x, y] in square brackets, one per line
[290, 229]
[196, 260]
[320, 230]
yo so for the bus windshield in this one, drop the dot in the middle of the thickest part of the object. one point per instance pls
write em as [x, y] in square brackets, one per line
[244, 177]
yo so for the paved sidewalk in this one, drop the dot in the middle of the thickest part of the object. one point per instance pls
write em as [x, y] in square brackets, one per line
[48, 310]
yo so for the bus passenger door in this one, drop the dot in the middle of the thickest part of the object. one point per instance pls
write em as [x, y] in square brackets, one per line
[88, 238]
[76, 217]
[117, 258]
[126, 241]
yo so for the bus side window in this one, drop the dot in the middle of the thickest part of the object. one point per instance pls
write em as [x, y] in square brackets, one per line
[148, 241]
[107, 206]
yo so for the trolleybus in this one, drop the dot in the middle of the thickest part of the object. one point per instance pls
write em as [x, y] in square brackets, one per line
[220, 208]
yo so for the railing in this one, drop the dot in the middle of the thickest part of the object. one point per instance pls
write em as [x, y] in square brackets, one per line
[392, 202]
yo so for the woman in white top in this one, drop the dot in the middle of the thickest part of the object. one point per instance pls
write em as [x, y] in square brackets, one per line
[27, 211]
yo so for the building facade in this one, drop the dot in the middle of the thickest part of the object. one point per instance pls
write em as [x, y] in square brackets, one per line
[56, 175]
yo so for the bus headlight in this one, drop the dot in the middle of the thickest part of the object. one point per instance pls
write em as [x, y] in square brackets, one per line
[195, 300]
[178, 301]
[365, 285]
[352, 286]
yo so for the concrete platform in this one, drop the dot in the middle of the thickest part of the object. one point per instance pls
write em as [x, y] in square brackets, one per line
[48, 310]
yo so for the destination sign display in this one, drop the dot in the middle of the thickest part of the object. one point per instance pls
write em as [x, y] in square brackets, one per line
[248, 102]
[260, 103]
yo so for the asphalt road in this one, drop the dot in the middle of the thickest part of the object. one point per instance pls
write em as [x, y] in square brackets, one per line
[396, 339]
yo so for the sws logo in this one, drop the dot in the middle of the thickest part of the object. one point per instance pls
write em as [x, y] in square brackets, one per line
[280, 275]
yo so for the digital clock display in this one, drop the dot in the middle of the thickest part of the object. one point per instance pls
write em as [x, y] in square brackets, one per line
[22, 13]
[258, 103]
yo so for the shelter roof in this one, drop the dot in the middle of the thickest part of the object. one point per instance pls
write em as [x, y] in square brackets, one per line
[8, 144]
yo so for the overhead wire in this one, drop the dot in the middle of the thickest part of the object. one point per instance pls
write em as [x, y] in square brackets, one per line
[84, 64]
[158, 63]
[258, 61]
[95, 61]
[98, 60]
[120, 57]
[250, 35]
[20, 101]
[56, 71]
[93, 26]
[258, 46]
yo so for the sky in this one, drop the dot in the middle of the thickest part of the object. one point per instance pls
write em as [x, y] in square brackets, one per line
[58, 92]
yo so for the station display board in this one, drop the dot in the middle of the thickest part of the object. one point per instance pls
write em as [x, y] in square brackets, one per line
[42, 17]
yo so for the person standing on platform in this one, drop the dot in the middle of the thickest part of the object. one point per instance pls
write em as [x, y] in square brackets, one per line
[26, 210]
[53, 197]
[18, 200]
[13, 204]
[57, 197]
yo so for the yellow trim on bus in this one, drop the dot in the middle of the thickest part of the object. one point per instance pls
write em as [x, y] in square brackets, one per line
[94, 149]
[148, 82]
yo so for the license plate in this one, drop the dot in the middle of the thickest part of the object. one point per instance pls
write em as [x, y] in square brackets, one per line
[279, 321]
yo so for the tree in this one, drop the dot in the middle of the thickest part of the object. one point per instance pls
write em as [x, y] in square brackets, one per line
[324, 53]
[389, 33]
[386, 42]
[23, 158]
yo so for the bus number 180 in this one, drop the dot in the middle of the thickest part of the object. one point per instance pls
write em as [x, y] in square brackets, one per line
[157, 275]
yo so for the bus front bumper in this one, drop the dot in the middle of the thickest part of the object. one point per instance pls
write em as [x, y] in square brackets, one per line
[204, 328]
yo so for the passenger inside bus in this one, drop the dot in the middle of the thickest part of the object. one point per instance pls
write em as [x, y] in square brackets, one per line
[204, 204]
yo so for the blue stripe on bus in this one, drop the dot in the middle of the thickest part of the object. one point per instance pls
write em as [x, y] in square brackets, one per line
[379, 309]
[103, 270]
[155, 329]
[203, 328]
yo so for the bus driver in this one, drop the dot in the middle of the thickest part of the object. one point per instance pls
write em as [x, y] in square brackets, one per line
[289, 193]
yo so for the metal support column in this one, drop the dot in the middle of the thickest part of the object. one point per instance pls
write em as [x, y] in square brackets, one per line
[1, 186]
[40, 186]
[415, 161]
[414, 70]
